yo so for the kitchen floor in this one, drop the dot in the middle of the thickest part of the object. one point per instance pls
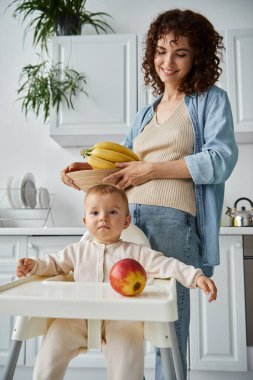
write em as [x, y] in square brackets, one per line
[215, 375]
[100, 374]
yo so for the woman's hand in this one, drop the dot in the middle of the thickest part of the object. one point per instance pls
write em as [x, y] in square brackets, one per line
[24, 266]
[75, 166]
[208, 287]
[132, 173]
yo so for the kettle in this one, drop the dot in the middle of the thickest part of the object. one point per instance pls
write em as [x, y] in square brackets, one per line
[243, 217]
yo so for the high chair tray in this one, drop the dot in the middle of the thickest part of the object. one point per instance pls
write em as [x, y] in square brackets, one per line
[39, 297]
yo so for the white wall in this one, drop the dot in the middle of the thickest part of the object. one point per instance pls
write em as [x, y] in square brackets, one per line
[25, 144]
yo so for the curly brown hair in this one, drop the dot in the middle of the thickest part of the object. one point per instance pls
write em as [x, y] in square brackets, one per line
[202, 37]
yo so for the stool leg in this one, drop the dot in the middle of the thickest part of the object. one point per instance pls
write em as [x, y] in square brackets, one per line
[175, 352]
[167, 364]
[12, 359]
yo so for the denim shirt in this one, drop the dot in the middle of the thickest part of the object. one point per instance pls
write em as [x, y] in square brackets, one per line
[215, 156]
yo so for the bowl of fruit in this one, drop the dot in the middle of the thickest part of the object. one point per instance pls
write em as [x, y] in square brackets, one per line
[101, 158]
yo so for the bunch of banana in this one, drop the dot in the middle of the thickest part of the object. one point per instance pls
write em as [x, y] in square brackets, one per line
[104, 154]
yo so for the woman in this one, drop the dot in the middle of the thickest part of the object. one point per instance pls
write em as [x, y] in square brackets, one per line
[187, 149]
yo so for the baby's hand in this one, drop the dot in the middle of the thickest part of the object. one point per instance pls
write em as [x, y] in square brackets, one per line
[24, 266]
[208, 286]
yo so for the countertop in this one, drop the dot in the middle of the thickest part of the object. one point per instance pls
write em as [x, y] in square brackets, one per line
[51, 231]
[236, 231]
[46, 231]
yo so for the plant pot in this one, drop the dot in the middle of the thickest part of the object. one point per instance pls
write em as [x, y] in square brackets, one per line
[67, 25]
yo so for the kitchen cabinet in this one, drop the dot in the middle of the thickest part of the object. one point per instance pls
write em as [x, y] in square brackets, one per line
[239, 58]
[217, 330]
[109, 65]
[112, 66]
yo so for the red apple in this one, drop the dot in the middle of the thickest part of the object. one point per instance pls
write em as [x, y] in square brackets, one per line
[128, 277]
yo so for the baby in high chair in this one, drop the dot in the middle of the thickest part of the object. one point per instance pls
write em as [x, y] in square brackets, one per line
[106, 215]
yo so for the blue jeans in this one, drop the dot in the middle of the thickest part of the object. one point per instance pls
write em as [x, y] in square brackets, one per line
[172, 232]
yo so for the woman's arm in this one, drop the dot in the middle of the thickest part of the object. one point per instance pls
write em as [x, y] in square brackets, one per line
[219, 154]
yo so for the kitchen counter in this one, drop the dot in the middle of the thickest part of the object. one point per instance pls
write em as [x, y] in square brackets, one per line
[43, 231]
[236, 231]
[80, 231]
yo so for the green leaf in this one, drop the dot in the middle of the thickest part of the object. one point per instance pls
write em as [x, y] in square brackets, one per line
[43, 88]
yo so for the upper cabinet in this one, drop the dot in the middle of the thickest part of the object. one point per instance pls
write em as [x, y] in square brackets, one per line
[109, 63]
[240, 81]
[115, 88]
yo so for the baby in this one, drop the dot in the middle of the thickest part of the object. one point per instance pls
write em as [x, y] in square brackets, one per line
[106, 215]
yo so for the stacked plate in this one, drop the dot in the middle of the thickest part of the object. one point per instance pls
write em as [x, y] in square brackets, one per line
[22, 204]
[22, 193]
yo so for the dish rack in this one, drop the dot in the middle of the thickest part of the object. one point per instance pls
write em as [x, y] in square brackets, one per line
[14, 212]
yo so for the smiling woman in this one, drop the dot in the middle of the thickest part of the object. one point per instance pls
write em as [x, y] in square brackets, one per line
[186, 145]
[173, 62]
[173, 58]
[199, 34]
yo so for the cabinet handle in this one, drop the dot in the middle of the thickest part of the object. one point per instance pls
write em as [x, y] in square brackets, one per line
[238, 245]
[30, 246]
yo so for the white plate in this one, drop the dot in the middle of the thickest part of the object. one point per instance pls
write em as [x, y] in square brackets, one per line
[39, 201]
[8, 192]
[16, 192]
[30, 194]
[23, 199]
[44, 198]
[28, 191]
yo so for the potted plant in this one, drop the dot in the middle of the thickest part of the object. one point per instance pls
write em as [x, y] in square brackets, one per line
[44, 88]
[60, 17]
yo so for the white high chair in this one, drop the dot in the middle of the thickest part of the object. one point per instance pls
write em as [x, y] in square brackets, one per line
[31, 299]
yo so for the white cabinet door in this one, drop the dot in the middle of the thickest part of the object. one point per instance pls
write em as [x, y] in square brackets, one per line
[217, 330]
[109, 64]
[240, 81]
[11, 248]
